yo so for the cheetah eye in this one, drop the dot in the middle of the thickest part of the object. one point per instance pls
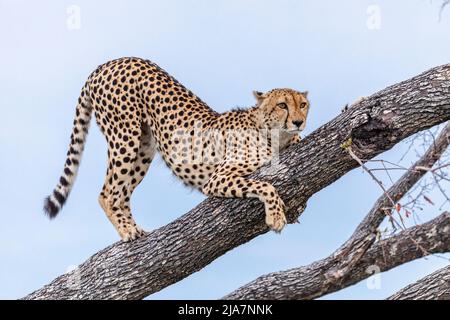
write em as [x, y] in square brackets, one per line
[302, 105]
[282, 105]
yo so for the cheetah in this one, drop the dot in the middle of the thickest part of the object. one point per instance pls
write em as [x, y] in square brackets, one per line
[141, 109]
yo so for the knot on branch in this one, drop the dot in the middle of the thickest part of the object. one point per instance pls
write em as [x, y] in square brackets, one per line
[376, 133]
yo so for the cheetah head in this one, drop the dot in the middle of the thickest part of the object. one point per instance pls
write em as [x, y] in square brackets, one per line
[283, 109]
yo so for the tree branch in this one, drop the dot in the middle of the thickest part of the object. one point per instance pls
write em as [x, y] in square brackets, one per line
[335, 268]
[171, 253]
[433, 236]
[435, 286]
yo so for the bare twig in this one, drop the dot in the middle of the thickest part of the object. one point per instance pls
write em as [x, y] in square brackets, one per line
[380, 184]
[443, 5]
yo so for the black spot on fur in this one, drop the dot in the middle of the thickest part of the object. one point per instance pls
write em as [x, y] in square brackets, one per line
[63, 182]
[59, 197]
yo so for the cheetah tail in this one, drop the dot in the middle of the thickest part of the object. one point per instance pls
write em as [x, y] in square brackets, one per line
[54, 202]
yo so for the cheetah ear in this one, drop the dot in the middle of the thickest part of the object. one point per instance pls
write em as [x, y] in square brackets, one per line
[305, 94]
[259, 96]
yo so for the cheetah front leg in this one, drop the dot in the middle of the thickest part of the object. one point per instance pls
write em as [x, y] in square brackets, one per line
[225, 182]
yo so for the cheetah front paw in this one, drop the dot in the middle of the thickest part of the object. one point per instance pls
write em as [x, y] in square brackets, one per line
[275, 217]
[131, 233]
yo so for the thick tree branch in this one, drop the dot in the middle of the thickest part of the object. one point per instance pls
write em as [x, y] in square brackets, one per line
[171, 253]
[335, 268]
[433, 237]
[435, 286]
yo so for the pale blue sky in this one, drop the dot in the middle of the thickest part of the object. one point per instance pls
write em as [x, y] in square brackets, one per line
[222, 50]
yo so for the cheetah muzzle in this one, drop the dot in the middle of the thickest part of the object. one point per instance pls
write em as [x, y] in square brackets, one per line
[141, 109]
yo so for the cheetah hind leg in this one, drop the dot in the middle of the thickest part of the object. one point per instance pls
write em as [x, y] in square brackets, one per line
[145, 155]
[116, 193]
[119, 212]
[106, 206]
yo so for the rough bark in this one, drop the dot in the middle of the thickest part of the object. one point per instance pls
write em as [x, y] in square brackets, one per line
[335, 268]
[435, 286]
[171, 253]
[430, 237]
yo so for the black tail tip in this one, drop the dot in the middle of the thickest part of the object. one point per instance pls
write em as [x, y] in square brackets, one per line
[50, 208]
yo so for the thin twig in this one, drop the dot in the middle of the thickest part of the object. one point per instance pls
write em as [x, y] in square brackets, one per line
[363, 166]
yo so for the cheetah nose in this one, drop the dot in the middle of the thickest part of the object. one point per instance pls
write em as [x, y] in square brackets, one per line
[297, 123]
